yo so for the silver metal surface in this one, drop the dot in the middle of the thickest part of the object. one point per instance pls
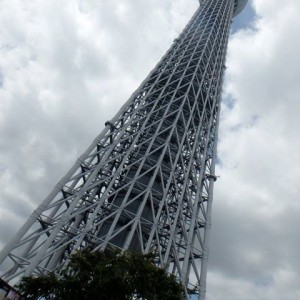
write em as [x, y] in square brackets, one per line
[146, 182]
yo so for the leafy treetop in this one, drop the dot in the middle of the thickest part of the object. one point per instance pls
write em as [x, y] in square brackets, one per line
[107, 276]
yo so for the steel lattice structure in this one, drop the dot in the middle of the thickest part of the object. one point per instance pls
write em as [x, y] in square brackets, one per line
[146, 182]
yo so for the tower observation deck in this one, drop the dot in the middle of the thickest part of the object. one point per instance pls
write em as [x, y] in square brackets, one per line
[146, 182]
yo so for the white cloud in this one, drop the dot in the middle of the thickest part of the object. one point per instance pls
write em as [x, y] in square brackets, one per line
[256, 208]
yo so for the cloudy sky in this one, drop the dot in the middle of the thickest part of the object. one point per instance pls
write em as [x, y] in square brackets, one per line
[66, 68]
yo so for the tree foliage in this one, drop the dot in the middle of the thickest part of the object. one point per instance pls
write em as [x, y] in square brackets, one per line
[105, 275]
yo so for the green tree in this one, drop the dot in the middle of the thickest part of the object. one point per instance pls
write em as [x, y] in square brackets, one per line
[107, 276]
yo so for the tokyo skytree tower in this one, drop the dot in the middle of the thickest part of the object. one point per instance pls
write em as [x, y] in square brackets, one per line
[146, 182]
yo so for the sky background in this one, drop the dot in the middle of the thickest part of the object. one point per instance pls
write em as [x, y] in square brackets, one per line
[67, 67]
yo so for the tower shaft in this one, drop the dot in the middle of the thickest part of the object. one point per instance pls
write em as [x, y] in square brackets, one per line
[145, 184]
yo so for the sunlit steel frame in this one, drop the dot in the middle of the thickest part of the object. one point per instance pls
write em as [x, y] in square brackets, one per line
[146, 182]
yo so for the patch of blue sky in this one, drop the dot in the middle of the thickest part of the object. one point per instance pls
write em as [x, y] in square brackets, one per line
[219, 161]
[229, 102]
[252, 122]
[245, 19]
[193, 297]
[264, 282]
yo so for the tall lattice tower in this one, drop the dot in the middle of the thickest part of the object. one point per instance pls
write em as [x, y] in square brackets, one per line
[146, 182]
